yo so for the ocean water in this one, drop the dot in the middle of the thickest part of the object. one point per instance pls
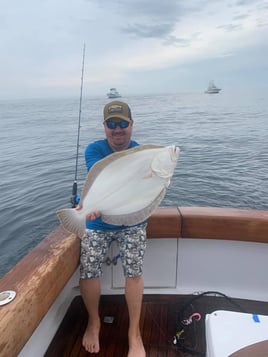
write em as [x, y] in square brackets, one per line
[223, 163]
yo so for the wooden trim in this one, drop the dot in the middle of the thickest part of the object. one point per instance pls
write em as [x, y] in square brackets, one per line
[165, 222]
[40, 276]
[210, 223]
[224, 223]
[37, 279]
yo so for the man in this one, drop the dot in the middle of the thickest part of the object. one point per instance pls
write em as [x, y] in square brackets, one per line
[118, 126]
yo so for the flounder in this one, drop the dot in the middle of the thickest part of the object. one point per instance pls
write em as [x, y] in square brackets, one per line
[125, 187]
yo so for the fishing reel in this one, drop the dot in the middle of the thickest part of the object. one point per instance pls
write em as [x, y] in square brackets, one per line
[75, 199]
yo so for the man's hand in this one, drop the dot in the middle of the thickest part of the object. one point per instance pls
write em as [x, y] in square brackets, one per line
[90, 216]
[93, 215]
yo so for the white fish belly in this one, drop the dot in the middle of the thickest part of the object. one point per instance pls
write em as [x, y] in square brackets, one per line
[126, 185]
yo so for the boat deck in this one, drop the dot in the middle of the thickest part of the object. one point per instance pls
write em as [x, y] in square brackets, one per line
[160, 321]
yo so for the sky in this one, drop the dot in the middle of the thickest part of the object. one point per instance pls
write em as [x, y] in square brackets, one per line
[137, 46]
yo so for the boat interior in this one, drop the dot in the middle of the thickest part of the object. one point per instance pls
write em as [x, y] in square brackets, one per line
[164, 327]
[202, 264]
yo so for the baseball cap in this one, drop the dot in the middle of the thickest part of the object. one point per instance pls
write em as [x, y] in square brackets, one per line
[117, 109]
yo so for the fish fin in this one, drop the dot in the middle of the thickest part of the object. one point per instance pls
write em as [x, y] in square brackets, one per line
[101, 164]
[133, 218]
[72, 221]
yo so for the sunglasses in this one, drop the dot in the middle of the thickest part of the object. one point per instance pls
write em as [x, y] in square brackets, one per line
[112, 124]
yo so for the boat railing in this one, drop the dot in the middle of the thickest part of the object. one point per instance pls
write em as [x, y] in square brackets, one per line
[42, 274]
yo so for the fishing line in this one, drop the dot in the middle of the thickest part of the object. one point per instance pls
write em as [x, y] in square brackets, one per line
[193, 331]
[74, 198]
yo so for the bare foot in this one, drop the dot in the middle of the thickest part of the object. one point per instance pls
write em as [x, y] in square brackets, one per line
[91, 338]
[136, 348]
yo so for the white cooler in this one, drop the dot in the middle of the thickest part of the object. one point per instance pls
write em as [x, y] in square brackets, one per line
[228, 332]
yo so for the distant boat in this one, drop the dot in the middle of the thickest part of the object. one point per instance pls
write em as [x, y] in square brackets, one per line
[113, 93]
[212, 89]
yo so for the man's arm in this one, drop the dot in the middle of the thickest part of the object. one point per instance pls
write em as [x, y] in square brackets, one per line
[92, 155]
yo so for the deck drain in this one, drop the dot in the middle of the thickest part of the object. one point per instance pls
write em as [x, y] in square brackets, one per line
[108, 319]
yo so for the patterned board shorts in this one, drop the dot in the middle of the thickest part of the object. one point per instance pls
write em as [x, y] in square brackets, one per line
[95, 244]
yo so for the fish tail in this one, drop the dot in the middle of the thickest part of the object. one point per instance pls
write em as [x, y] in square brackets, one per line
[72, 221]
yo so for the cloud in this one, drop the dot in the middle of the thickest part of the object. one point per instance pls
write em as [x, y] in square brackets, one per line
[177, 42]
[230, 27]
[153, 9]
[127, 42]
[240, 17]
[148, 19]
[149, 31]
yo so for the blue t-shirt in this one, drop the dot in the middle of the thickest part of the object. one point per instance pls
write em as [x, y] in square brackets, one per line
[93, 153]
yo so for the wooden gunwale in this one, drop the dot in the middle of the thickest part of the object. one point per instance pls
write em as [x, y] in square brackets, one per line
[40, 276]
[224, 223]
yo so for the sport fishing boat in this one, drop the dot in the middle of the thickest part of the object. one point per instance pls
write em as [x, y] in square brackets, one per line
[212, 89]
[113, 93]
[206, 290]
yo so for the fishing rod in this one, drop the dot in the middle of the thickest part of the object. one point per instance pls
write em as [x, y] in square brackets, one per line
[75, 198]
